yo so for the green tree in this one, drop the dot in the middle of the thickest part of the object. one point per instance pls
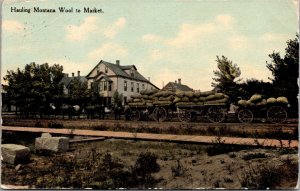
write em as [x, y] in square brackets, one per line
[38, 82]
[78, 90]
[117, 98]
[253, 86]
[227, 77]
[285, 72]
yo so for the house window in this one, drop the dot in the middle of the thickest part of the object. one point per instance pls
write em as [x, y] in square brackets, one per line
[151, 88]
[125, 100]
[109, 86]
[132, 86]
[125, 85]
[137, 87]
[101, 86]
[98, 71]
[95, 87]
[105, 86]
[143, 86]
[106, 69]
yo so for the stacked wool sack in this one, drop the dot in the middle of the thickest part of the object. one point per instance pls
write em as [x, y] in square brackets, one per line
[189, 98]
[257, 100]
[162, 97]
[142, 99]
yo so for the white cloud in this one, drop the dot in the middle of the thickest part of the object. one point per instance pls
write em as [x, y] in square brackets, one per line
[238, 42]
[81, 32]
[274, 37]
[151, 38]
[115, 28]
[108, 51]
[12, 26]
[192, 34]
[225, 20]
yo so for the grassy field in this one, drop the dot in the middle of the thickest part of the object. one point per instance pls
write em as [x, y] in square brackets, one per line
[114, 163]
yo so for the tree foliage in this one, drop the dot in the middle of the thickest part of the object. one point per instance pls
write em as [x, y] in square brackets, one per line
[39, 82]
[117, 98]
[227, 77]
[285, 72]
[78, 90]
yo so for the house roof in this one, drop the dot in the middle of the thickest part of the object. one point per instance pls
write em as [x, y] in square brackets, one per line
[177, 86]
[120, 71]
[67, 80]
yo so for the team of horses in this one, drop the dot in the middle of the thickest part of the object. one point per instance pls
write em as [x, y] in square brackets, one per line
[68, 111]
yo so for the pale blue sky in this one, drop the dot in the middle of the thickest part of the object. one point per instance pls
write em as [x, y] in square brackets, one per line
[164, 39]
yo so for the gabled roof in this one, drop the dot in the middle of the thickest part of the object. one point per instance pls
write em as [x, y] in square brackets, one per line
[177, 86]
[120, 71]
[67, 80]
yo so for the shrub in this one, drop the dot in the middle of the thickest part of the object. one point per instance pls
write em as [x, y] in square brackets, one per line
[251, 156]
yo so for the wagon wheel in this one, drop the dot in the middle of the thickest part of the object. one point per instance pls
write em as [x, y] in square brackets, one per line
[160, 114]
[245, 116]
[184, 115]
[276, 114]
[135, 115]
[215, 114]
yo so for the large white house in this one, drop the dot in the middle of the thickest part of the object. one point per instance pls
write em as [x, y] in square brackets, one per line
[106, 78]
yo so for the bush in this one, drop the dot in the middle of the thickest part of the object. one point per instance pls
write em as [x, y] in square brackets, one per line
[251, 156]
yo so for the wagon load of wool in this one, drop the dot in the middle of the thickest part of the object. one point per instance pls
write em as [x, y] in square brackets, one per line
[144, 98]
[189, 98]
[163, 98]
[258, 100]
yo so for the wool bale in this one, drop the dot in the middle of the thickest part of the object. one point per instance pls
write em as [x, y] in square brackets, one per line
[136, 96]
[255, 98]
[155, 98]
[179, 94]
[271, 100]
[243, 102]
[176, 99]
[145, 96]
[153, 91]
[137, 100]
[224, 100]
[148, 101]
[185, 99]
[194, 99]
[143, 92]
[210, 97]
[162, 102]
[129, 100]
[200, 103]
[189, 94]
[202, 99]
[197, 94]
[249, 103]
[263, 102]
[185, 104]
[282, 100]
[219, 96]
[136, 104]
[207, 93]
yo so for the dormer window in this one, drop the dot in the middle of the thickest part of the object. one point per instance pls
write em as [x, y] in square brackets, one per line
[106, 69]
[132, 73]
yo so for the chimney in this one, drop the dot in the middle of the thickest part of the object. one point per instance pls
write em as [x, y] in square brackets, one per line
[66, 75]
[78, 73]
[118, 62]
[72, 74]
[179, 80]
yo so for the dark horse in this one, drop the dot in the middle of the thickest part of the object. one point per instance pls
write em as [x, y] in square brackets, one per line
[70, 110]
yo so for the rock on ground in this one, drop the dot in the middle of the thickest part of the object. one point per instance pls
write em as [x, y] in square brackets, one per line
[54, 144]
[14, 154]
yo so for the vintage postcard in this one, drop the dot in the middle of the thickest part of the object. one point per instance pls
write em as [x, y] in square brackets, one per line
[131, 94]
